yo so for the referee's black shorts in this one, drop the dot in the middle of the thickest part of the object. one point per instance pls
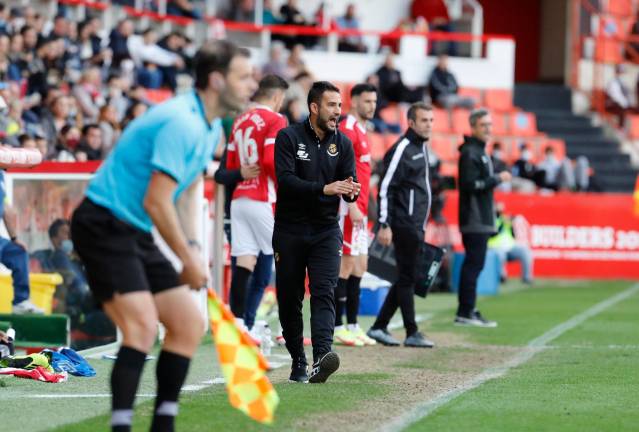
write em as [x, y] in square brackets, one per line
[118, 257]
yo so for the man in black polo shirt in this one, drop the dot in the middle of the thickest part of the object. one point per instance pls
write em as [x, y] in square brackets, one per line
[315, 166]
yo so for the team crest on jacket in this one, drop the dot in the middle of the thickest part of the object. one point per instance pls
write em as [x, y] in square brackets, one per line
[332, 149]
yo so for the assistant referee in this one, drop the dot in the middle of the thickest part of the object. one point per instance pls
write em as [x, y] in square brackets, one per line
[315, 166]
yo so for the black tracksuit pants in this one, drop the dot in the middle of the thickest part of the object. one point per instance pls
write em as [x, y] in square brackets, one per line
[407, 242]
[319, 252]
[475, 245]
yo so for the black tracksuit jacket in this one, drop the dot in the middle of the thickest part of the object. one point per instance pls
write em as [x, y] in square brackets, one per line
[404, 192]
[304, 164]
[476, 183]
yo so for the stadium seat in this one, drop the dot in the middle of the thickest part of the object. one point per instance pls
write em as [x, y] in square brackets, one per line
[460, 121]
[500, 124]
[442, 120]
[389, 140]
[499, 99]
[449, 169]
[632, 125]
[377, 145]
[473, 93]
[523, 124]
[444, 148]
[390, 114]
[621, 8]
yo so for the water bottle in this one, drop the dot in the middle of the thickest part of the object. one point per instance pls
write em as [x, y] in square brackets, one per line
[265, 342]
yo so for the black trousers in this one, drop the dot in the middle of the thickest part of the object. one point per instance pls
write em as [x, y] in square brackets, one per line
[475, 245]
[407, 242]
[319, 252]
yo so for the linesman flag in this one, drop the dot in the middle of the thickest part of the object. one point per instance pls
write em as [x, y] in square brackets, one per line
[243, 366]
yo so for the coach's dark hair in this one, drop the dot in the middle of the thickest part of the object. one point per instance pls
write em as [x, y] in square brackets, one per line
[358, 89]
[215, 56]
[269, 84]
[54, 228]
[317, 90]
[417, 106]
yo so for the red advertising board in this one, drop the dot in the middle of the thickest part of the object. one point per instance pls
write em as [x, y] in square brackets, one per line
[571, 235]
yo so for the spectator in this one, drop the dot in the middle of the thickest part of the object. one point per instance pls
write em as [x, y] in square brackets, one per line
[293, 111]
[618, 96]
[349, 21]
[508, 249]
[497, 158]
[90, 147]
[392, 87]
[291, 15]
[524, 167]
[156, 65]
[299, 88]
[118, 42]
[136, 109]
[13, 255]
[115, 93]
[88, 93]
[55, 117]
[243, 11]
[276, 64]
[110, 127]
[46, 67]
[4, 18]
[269, 17]
[67, 143]
[90, 49]
[183, 8]
[443, 87]
[435, 12]
[295, 63]
[176, 43]
[27, 142]
[551, 167]
[62, 259]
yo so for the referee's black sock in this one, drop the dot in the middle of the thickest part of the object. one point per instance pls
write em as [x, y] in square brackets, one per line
[340, 301]
[171, 372]
[125, 378]
[352, 299]
[240, 279]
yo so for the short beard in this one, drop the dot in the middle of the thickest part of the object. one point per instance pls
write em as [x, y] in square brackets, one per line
[323, 125]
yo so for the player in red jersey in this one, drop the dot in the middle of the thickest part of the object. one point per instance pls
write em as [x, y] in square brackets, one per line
[252, 142]
[354, 221]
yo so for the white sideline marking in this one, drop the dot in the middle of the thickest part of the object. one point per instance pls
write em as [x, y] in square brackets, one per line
[536, 345]
[397, 324]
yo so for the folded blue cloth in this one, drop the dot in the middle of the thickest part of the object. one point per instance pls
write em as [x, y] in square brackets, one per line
[66, 359]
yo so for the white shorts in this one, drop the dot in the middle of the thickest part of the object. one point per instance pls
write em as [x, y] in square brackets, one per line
[355, 238]
[251, 227]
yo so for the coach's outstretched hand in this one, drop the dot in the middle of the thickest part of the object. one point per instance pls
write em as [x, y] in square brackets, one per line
[193, 270]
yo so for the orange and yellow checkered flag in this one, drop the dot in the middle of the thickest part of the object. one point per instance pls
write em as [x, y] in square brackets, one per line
[243, 366]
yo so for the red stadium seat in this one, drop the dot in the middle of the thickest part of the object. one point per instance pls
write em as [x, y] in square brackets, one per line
[500, 125]
[620, 7]
[450, 169]
[473, 93]
[443, 148]
[460, 121]
[389, 140]
[523, 124]
[442, 120]
[390, 114]
[377, 144]
[499, 99]
[632, 125]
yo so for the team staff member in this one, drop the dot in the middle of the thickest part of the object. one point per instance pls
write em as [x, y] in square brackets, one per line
[315, 166]
[404, 206]
[150, 179]
[476, 213]
[354, 221]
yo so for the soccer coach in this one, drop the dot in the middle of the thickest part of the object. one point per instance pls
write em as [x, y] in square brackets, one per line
[314, 166]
